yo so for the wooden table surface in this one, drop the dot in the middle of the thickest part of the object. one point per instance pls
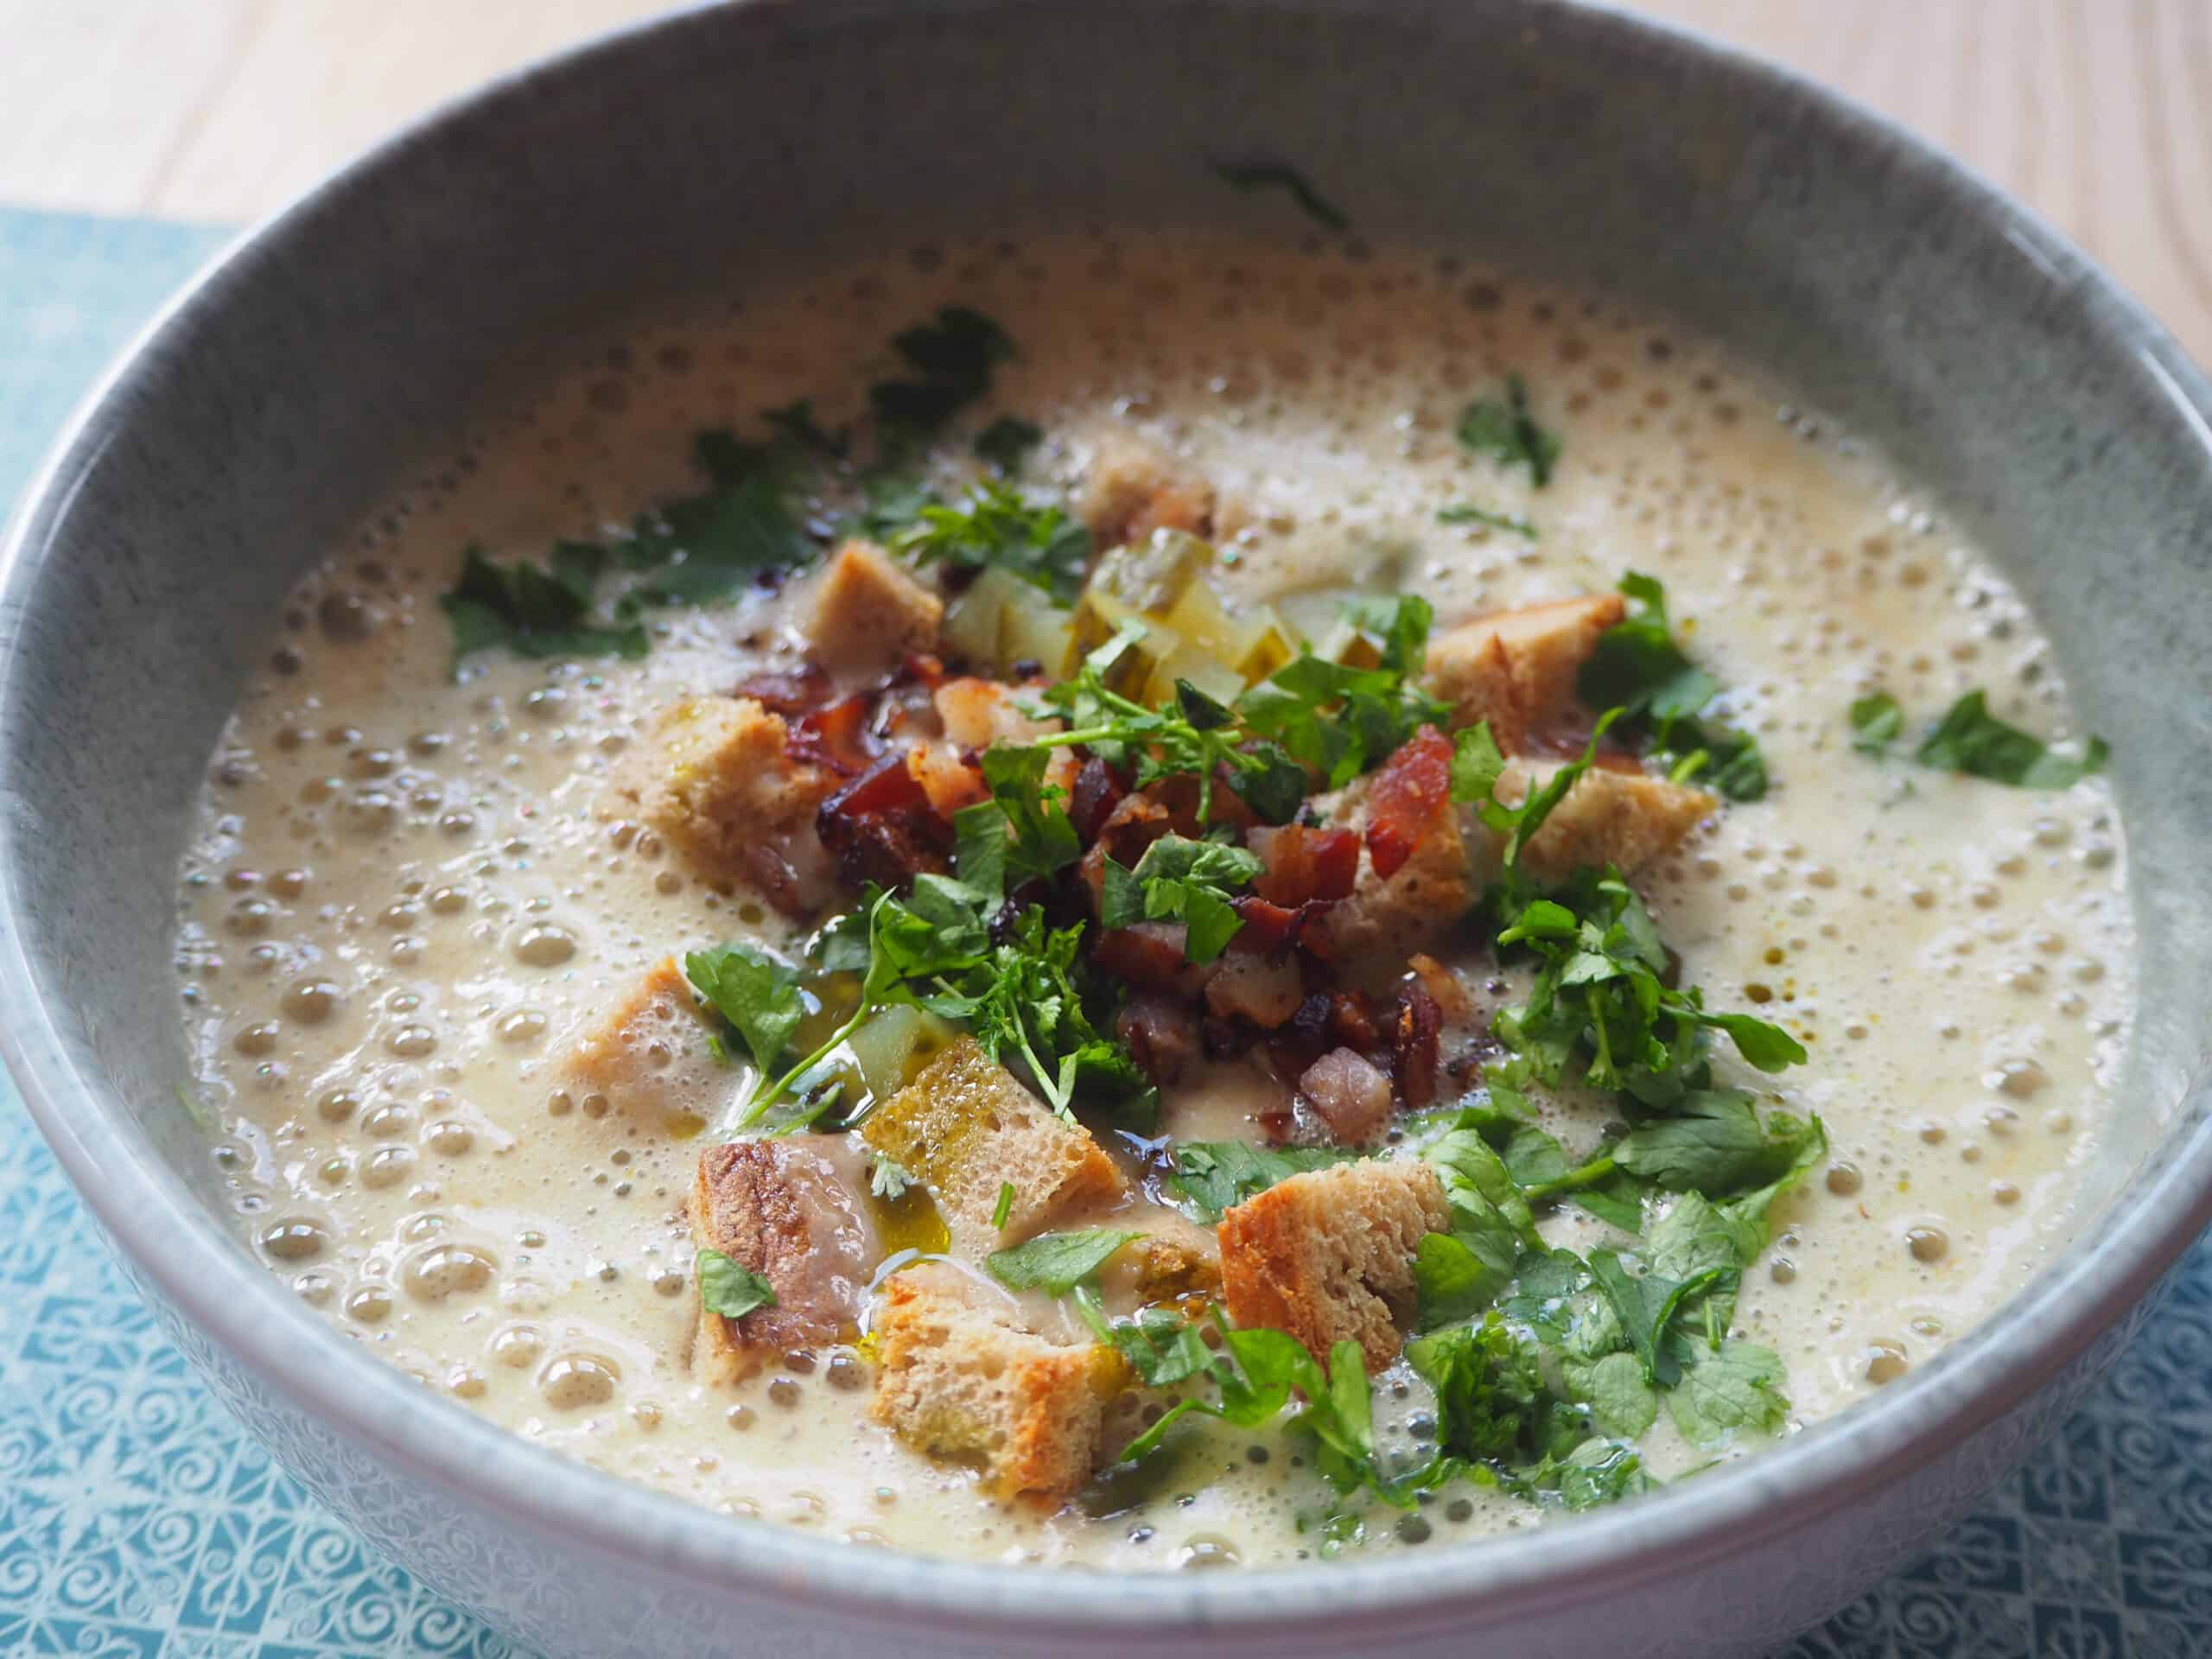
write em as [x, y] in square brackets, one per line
[2097, 111]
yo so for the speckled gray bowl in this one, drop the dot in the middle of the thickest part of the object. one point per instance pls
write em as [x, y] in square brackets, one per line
[343, 345]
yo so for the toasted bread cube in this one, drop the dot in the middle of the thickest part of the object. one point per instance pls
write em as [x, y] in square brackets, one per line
[965, 1128]
[958, 1382]
[1328, 1256]
[717, 782]
[1517, 668]
[781, 1209]
[647, 1056]
[869, 614]
[1131, 489]
[1623, 819]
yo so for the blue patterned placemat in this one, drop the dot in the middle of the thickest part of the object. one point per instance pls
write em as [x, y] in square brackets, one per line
[136, 1521]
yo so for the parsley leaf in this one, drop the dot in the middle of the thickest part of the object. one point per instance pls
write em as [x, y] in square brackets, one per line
[1055, 1263]
[533, 611]
[1006, 441]
[1339, 721]
[1179, 879]
[757, 992]
[1504, 429]
[997, 528]
[1738, 1387]
[1004, 1208]
[1162, 1347]
[953, 357]
[1467, 513]
[1280, 175]
[1713, 1142]
[1876, 722]
[730, 1289]
[795, 423]
[1639, 667]
[703, 548]
[1211, 1176]
[1970, 739]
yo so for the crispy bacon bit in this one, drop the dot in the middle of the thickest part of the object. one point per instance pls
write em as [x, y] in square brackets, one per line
[879, 827]
[1411, 792]
[1264, 989]
[1348, 1094]
[837, 738]
[1269, 928]
[1163, 1035]
[1414, 1043]
[1454, 1001]
[1097, 792]
[788, 692]
[1150, 955]
[1303, 864]
[1354, 1021]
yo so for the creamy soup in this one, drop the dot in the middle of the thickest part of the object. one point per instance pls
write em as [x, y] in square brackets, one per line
[461, 1094]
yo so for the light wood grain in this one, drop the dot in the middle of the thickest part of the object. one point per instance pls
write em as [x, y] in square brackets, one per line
[2098, 112]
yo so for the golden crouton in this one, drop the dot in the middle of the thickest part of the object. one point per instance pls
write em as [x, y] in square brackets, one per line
[1517, 668]
[1625, 818]
[958, 1382]
[869, 614]
[1131, 491]
[1327, 1256]
[715, 781]
[647, 1056]
[779, 1208]
[966, 1129]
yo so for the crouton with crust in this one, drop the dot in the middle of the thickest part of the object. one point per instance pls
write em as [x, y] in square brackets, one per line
[780, 1208]
[962, 1382]
[1131, 489]
[869, 614]
[1327, 1256]
[1517, 668]
[716, 780]
[647, 1056]
[1419, 903]
[1624, 818]
[966, 1127]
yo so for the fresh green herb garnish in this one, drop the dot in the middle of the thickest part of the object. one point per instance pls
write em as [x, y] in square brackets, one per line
[1161, 1346]
[953, 357]
[934, 949]
[1280, 176]
[1469, 514]
[1006, 441]
[1876, 722]
[1341, 721]
[1641, 668]
[1005, 1205]
[756, 991]
[1179, 880]
[1971, 739]
[726, 1289]
[1502, 428]
[703, 549]
[1022, 833]
[997, 528]
[1055, 1262]
[535, 611]
[795, 423]
[1211, 1176]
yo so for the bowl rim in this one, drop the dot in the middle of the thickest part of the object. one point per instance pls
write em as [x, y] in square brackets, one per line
[173, 1242]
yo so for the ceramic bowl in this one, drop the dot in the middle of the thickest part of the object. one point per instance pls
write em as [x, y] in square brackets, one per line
[339, 346]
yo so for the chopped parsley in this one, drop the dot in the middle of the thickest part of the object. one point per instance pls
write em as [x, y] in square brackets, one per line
[1640, 668]
[1280, 175]
[1179, 880]
[1467, 513]
[754, 989]
[730, 1289]
[704, 549]
[1053, 1262]
[534, 611]
[1971, 740]
[997, 529]
[1004, 1208]
[1006, 441]
[795, 423]
[1504, 429]
[952, 359]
